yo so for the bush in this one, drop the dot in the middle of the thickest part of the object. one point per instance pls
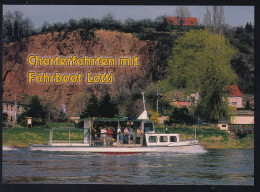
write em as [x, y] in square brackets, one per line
[180, 115]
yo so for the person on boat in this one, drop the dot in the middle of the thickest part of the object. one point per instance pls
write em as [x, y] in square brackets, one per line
[114, 135]
[98, 132]
[94, 134]
[139, 134]
[126, 133]
[146, 129]
[103, 133]
[119, 133]
[166, 129]
[109, 134]
[131, 132]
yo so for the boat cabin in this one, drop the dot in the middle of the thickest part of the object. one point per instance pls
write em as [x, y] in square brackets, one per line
[161, 139]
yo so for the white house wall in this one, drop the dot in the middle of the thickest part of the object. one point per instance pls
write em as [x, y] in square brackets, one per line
[242, 120]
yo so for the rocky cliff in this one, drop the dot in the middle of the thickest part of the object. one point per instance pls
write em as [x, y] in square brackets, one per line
[67, 44]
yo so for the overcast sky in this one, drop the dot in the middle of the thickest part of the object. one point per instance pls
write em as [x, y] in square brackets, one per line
[234, 15]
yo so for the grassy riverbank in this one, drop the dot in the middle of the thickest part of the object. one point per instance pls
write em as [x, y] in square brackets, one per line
[209, 137]
[21, 137]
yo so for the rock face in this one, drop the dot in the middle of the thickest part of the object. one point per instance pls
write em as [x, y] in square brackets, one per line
[79, 43]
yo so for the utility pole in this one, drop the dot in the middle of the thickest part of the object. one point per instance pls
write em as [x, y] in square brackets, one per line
[157, 99]
[198, 122]
[15, 110]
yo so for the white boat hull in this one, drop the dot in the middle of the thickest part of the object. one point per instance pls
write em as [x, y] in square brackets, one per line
[113, 149]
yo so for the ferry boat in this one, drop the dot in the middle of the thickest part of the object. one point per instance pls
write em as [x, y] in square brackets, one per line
[149, 140]
[110, 143]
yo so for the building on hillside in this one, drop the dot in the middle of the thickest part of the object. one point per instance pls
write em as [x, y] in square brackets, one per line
[241, 123]
[75, 119]
[234, 96]
[223, 124]
[9, 109]
[185, 21]
[162, 119]
[243, 118]
[182, 104]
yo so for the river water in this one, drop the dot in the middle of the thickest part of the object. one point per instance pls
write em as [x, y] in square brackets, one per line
[215, 167]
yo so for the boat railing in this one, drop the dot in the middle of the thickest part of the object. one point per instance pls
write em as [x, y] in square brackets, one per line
[68, 137]
[96, 138]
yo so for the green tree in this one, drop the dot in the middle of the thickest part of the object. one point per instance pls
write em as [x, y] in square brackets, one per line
[107, 107]
[180, 115]
[92, 107]
[34, 110]
[200, 62]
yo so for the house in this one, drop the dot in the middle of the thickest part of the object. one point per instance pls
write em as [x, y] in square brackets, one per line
[242, 122]
[234, 96]
[185, 21]
[162, 119]
[75, 119]
[223, 124]
[182, 104]
[243, 118]
[9, 109]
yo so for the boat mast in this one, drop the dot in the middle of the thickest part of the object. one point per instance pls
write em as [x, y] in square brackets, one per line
[143, 101]
[195, 133]
[198, 125]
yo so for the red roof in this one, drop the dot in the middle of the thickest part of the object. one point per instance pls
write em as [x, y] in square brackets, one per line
[188, 21]
[233, 91]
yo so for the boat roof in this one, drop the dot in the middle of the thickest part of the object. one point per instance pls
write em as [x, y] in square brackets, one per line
[112, 119]
[161, 134]
[67, 128]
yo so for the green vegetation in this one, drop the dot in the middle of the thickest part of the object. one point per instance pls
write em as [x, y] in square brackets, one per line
[35, 110]
[243, 39]
[19, 136]
[103, 108]
[180, 115]
[200, 62]
[22, 137]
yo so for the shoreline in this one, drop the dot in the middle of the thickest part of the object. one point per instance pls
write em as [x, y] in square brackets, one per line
[208, 138]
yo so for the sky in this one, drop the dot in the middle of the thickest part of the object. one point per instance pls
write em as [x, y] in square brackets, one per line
[234, 15]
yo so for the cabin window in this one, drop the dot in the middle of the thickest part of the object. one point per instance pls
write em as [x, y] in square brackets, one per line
[224, 125]
[173, 139]
[234, 103]
[153, 139]
[163, 139]
[148, 127]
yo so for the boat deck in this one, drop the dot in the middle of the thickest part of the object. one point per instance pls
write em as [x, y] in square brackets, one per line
[87, 145]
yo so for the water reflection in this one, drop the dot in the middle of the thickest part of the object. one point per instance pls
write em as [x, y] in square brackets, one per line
[217, 167]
